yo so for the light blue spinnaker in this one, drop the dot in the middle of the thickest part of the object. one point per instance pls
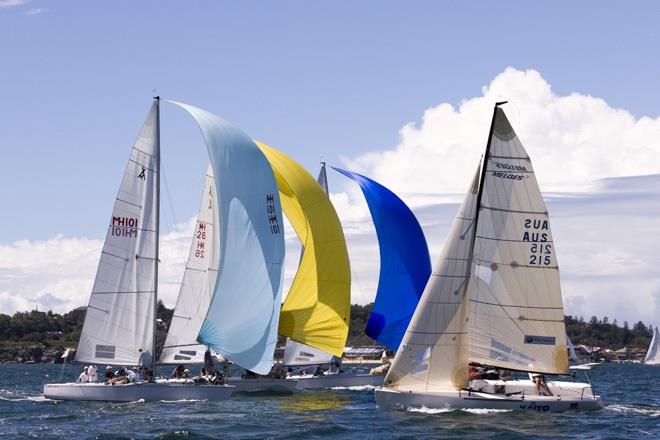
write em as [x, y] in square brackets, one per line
[241, 323]
[405, 263]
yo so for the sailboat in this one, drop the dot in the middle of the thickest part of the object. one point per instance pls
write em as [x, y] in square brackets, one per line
[653, 354]
[493, 299]
[120, 323]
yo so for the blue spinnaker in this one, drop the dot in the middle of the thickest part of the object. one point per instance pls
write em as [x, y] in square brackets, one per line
[243, 316]
[405, 263]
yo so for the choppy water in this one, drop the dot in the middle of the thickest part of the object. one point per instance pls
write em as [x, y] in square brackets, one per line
[631, 394]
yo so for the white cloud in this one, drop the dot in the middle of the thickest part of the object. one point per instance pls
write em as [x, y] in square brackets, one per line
[35, 11]
[572, 139]
[11, 3]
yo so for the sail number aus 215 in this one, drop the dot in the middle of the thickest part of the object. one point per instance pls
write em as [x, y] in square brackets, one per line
[537, 232]
[272, 214]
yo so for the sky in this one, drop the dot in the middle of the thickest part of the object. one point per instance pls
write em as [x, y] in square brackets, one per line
[400, 91]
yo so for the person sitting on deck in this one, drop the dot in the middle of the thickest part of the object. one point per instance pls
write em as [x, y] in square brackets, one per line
[134, 374]
[178, 371]
[91, 374]
[541, 387]
[109, 374]
[84, 376]
[121, 377]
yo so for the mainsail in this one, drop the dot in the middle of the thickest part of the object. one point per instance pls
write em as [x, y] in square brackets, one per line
[516, 312]
[652, 357]
[243, 315]
[316, 310]
[494, 296]
[198, 283]
[119, 324]
[405, 263]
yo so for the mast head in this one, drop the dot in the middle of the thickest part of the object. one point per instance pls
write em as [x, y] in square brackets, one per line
[497, 104]
[157, 98]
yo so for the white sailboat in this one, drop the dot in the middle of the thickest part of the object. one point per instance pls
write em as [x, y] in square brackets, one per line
[653, 354]
[494, 298]
[120, 323]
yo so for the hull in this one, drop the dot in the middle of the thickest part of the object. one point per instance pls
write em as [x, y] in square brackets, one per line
[340, 380]
[263, 385]
[136, 391]
[566, 396]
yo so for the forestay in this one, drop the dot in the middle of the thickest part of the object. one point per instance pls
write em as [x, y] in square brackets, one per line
[516, 313]
[316, 310]
[405, 263]
[118, 326]
[433, 354]
[242, 319]
[198, 283]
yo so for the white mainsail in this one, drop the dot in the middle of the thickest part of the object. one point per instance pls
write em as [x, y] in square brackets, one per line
[198, 283]
[119, 324]
[494, 296]
[652, 357]
[296, 353]
[433, 355]
[516, 314]
[243, 315]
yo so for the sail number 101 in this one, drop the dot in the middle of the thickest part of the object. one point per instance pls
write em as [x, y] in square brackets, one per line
[272, 214]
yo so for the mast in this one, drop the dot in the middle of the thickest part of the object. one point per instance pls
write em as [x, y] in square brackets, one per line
[157, 241]
[483, 173]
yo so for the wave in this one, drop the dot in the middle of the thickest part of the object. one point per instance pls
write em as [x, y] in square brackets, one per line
[480, 411]
[632, 409]
[355, 388]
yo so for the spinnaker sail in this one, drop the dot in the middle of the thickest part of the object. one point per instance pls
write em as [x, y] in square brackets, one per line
[316, 311]
[405, 263]
[242, 319]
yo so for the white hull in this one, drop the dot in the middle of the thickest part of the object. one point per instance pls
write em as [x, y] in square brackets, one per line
[566, 396]
[136, 391]
[261, 385]
[338, 380]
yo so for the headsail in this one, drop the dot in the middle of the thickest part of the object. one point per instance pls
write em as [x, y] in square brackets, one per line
[516, 312]
[405, 263]
[316, 311]
[198, 283]
[119, 322]
[653, 355]
[433, 355]
[242, 319]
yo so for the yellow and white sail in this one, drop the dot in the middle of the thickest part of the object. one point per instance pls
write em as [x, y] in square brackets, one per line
[316, 311]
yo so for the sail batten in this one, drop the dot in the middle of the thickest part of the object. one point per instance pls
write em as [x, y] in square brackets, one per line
[243, 315]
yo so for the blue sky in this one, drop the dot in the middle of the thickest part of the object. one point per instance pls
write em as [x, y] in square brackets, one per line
[401, 91]
[314, 79]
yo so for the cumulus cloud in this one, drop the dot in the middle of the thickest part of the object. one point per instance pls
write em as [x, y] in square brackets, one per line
[572, 139]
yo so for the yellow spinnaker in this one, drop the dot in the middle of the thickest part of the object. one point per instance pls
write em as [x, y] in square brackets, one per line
[317, 309]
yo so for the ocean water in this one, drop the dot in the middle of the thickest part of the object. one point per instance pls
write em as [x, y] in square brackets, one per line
[631, 394]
